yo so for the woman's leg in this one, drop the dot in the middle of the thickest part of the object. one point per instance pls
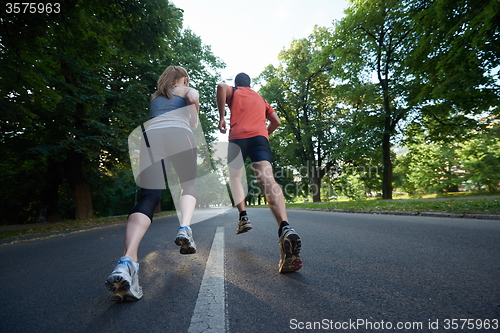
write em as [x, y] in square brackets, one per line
[187, 204]
[137, 225]
[185, 165]
[139, 220]
[124, 279]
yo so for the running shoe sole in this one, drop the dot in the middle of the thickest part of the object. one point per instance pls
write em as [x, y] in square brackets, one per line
[243, 228]
[120, 287]
[185, 244]
[243, 225]
[290, 250]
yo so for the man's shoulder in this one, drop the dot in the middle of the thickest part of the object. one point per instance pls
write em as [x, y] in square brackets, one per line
[246, 90]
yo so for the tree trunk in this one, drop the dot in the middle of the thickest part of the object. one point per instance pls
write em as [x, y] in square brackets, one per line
[74, 161]
[316, 187]
[50, 192]
[79, 186]
[386, 141]
[387, 163]
[318, 174]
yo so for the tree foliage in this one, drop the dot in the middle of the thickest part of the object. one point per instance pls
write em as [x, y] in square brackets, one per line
[394, 70]
[441, 166]
[372, 43]
[73, 86]
[455, 64]
[433, 63]
[418, 73]
[300, 90]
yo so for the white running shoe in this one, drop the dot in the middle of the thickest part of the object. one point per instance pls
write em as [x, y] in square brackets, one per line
[124, 281]
[185, 240]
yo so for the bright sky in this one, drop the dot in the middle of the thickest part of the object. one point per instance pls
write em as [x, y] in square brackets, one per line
[248, 35]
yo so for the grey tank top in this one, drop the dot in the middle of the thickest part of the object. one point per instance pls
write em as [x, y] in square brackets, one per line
[166, 112]
[162, 104]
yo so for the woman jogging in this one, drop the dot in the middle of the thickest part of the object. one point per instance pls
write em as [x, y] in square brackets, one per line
[168, 138]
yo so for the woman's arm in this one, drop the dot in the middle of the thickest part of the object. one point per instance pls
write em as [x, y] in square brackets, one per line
[193, 104]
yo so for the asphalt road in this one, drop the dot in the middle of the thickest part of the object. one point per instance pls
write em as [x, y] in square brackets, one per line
[361, 273]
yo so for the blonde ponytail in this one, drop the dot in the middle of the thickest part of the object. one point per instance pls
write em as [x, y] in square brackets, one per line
[167, 81]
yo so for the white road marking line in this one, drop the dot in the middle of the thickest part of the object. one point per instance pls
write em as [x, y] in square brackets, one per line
[210, 309]
[200, 215]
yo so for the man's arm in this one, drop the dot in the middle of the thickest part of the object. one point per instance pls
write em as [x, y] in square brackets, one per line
[274, 122]
[223, 92]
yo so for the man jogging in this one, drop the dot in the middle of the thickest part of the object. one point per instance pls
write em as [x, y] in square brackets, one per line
[249, 135]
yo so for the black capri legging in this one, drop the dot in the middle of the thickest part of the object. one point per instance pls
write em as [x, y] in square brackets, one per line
[158, 147]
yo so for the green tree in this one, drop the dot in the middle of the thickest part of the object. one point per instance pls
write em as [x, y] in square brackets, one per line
[75, 84]
[480, 158]
[434, 63]
[372, 43]
[455, 65]
[300, 91]
[64, 71]
[437, 166]
[429, 167]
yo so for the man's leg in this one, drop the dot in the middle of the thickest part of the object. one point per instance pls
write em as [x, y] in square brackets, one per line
[289, 240]
[239, 199]
[274, 195]
[237, 188]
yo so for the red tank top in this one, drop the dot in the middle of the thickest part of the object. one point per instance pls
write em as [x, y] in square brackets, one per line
[249, 112]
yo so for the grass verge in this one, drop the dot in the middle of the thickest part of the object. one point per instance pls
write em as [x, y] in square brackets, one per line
[47, 228]
[455, 206]
[463, 206]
